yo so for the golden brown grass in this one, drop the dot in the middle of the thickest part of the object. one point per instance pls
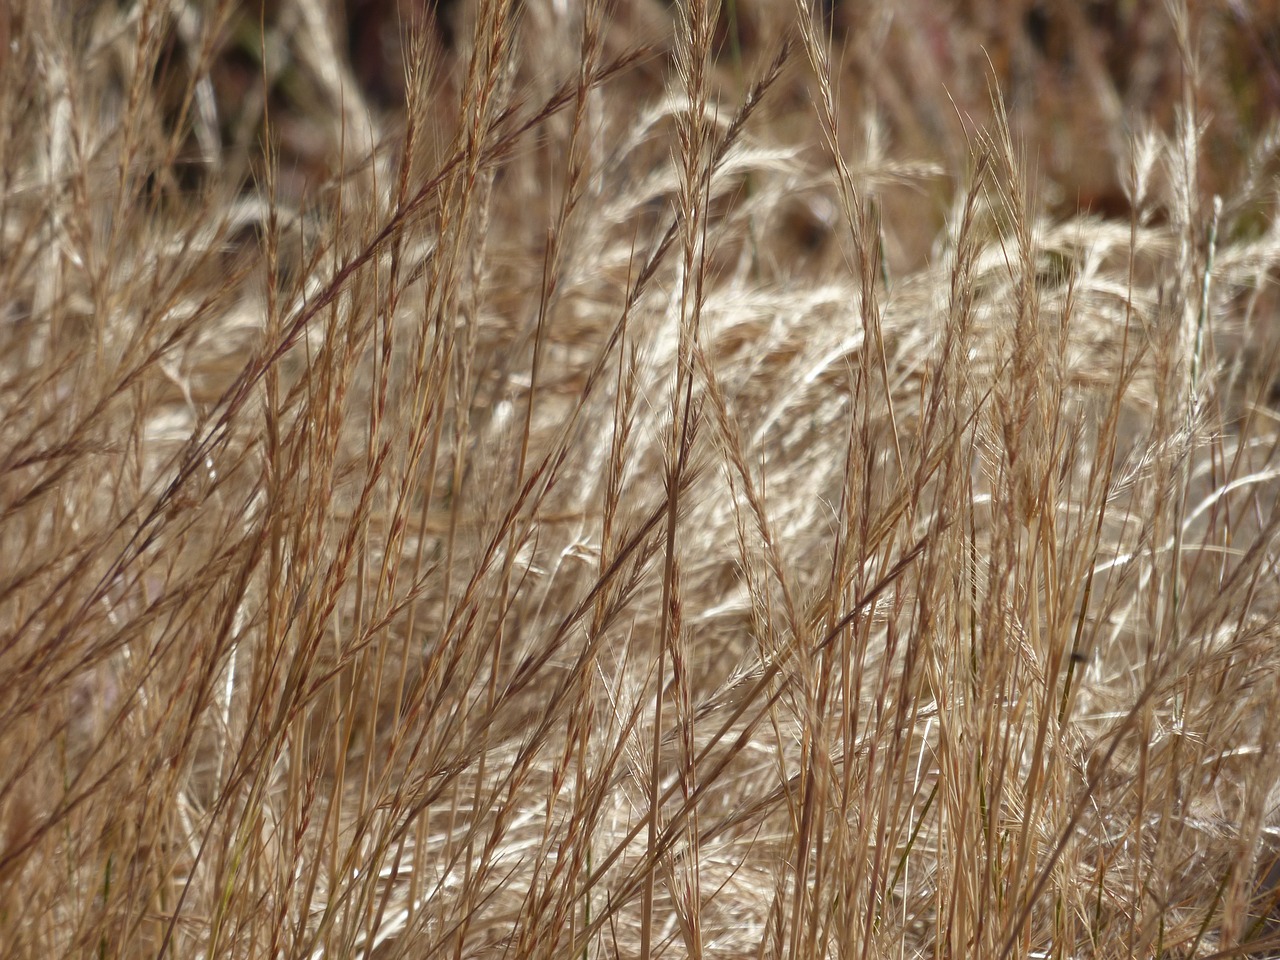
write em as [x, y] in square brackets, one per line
[631, 481]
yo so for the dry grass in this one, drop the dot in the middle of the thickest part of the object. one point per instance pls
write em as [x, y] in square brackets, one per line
[628, 481]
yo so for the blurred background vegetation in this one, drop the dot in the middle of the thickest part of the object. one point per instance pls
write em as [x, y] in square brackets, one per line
[1076, 78]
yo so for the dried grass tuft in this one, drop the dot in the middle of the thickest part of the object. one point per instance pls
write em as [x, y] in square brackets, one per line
[734, 480]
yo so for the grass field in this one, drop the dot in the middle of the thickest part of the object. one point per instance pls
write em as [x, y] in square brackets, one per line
[582, 480]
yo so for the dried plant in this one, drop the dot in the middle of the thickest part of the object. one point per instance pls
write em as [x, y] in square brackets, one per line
[583, 479]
